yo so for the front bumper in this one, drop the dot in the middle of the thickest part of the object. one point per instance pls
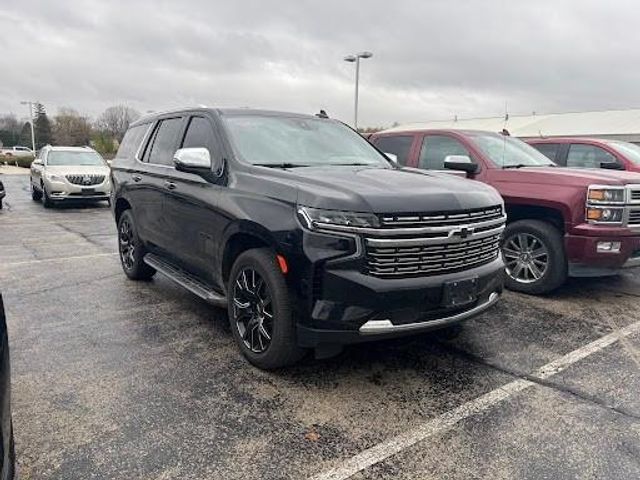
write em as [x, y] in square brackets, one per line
[350, 306]
[586, 261]
[63, 190]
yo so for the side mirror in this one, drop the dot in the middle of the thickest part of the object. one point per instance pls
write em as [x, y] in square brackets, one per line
[611, 166]
[37, 161]
[392, 156]
[460, 162]
[196, 160]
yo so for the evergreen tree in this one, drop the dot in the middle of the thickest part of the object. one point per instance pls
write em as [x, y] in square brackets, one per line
[42, 126]
[25, 135]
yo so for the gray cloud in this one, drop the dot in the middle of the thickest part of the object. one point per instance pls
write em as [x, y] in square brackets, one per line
[432, 59]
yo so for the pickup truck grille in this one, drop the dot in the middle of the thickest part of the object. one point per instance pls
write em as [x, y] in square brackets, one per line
[459, 241]
[634, 217]
[635, 195]
[85, 180]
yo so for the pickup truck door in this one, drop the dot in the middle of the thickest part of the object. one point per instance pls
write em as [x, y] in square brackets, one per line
[191, 207]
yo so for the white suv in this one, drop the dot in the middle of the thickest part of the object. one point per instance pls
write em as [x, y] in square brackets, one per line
[69, 173]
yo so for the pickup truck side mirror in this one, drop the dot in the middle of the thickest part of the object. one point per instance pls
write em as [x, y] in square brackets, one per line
[611, 166]
[197, 160]
[392, 156]
[460, 162]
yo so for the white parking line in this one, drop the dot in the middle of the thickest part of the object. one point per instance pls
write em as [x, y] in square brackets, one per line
[444, 422]
[58, 259]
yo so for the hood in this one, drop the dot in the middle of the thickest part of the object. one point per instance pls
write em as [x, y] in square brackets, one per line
[380, 190]
[78, 169]
[577, 177]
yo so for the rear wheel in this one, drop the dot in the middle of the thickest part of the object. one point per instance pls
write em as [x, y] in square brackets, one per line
[131, 249]
[533, 252]
[260, 311]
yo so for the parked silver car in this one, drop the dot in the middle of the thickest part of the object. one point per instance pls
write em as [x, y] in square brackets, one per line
[69, 173]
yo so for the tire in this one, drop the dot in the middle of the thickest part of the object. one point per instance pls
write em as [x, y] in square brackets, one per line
[0, 203]
[130, 249]
[44, 196]
[282, 349]
[543, 245]
[11, 470]
[35, 194]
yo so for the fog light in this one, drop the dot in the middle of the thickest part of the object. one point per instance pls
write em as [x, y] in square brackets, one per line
[608, 247]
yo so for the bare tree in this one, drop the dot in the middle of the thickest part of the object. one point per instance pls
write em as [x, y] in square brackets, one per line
[70, 128]
[116, 120]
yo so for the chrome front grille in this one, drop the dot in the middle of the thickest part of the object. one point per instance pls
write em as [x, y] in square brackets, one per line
[635, 195]
[85, 180]
[634, 217]
[451, 218]
[424, 245]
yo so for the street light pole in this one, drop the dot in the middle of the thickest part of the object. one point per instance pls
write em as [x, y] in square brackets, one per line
[356, 59]
[33, 133]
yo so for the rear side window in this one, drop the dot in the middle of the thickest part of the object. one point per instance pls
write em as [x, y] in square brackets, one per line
[131, 141]
[588, 156]
[549, 150]
[435, 148]
[165, 141]
[399, 145]
[199, 134]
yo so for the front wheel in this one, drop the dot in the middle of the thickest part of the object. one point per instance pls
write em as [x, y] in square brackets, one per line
[534, 256]
[260, 311]
[131, 249]
[35, 194]
[44, 196]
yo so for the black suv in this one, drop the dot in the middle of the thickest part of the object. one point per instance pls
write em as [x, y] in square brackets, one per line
[307, 233]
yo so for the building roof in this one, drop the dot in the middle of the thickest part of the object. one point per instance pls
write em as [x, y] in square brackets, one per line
[577, 124]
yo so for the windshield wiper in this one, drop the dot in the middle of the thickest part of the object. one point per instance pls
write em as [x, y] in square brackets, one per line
[282, 165]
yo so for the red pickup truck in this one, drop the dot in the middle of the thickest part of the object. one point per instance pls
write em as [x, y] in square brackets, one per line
[589, 153]
[561, 221]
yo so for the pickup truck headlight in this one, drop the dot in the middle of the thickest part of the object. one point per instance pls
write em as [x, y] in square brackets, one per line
[319, 218]
[605, 214]
[597, 194]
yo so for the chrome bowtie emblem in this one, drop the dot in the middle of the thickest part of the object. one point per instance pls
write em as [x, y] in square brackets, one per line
[462, 232]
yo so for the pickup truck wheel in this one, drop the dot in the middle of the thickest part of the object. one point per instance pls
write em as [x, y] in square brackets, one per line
[533, 252]
[131, 249]
[260, 311]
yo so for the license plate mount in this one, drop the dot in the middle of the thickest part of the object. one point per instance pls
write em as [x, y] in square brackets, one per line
[460, 292]
[88, 191]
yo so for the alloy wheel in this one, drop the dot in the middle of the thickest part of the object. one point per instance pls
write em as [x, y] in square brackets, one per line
[253, 310]
[526, 257]
[127, 244]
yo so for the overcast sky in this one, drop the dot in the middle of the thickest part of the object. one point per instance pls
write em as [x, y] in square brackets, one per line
[432, 59]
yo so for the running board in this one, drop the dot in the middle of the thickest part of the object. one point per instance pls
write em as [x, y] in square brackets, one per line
[185, 280]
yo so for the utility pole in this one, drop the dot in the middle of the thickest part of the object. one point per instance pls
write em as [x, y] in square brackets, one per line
[351, 59]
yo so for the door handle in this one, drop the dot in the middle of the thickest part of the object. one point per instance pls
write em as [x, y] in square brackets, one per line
[136, 178]
[170, 185]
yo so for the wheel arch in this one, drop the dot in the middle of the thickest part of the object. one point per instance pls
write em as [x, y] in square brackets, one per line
[550, 215]
[121, 205]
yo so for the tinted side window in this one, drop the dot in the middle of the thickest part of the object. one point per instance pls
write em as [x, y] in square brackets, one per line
[199, 134]
[165, 141]
[435, 148]
[549, 150]
[131, 141]
[588, 156]
[399, 145]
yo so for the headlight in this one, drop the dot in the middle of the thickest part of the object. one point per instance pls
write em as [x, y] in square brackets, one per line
[54, 178]
[597, 194]
[318, 218]
[604, 214]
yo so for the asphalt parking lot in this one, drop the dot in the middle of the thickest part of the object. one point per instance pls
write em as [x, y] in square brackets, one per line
[120, 380]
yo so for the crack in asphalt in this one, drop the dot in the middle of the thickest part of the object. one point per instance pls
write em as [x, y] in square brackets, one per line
[582, 395]
[86, 237]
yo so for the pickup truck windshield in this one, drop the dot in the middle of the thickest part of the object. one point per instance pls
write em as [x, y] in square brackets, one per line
[509, 152]
[629, 150]
[290, 142]
[74, 158]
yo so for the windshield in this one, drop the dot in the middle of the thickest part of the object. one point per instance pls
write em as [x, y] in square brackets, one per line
[74, 158]
[300, 142]
[629, 150]
[507, 152]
